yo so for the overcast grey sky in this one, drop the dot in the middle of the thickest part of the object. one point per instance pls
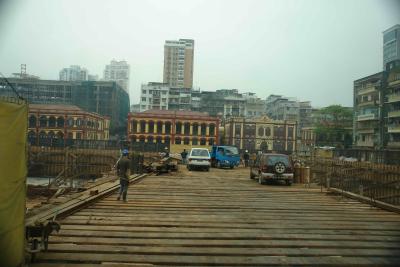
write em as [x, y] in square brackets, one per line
[312, 50]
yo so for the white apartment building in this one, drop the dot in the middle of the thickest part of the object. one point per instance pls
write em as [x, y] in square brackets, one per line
[154, 95]
[178, 63]
[118, 71]
[74, 73]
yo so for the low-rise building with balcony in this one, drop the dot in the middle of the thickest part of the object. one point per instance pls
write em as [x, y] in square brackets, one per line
[392, 106]
[368, 122]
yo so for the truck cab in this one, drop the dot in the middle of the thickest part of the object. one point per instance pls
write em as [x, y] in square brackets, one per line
[225, 156]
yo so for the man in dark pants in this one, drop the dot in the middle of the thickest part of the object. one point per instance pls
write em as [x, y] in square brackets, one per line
[184, 156]
[122, 170]
[246, 158]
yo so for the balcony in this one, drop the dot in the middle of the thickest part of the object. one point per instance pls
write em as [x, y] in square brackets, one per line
[393, 98]
[394, 128]
[365, 143]
[367, 90]
[367, 117]
[365, 130]
[394, 83]
[368, 103]
[394, 114]
[393, 144]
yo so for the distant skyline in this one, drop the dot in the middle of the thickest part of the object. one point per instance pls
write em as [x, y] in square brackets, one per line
[308, 49]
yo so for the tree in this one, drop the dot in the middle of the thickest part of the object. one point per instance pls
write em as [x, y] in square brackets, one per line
[333, 126]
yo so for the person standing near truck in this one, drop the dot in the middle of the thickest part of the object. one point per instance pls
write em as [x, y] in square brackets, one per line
[122, 171]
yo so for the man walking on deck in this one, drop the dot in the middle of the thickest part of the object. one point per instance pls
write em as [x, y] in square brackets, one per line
[122, 170]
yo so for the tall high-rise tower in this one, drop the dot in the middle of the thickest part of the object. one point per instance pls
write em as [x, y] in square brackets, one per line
[178, 63]
[118, 71]
[391, 47]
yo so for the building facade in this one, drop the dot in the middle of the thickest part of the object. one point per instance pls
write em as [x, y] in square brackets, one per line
[392, 109]
[223, 103]
[154, 95]
[180, 99]
[178, 63]
[283, 108]
[177, 130]
[118, 71]
[307, 140]
[391, 47]
[105, 98]
[368, 114]
[74, 73]
[261, 134]
[55, 125]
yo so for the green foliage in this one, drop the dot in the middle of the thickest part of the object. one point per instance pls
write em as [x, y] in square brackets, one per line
[333, 125]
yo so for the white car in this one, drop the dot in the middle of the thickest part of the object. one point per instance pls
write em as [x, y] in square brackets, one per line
[199, 158]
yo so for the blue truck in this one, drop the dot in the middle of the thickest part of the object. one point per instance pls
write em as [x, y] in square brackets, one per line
[225, 156]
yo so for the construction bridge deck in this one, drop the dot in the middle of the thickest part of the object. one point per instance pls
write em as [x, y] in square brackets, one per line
[222, 218]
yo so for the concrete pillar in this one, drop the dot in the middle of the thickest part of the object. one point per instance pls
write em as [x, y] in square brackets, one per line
[147, 127]
[183, 129]
[163, 128]
[241, 135]
[207, 129]
[155, 127]
[191, 130]
[138, 127]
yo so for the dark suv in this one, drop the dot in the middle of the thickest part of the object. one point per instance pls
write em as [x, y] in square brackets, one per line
[272, 167]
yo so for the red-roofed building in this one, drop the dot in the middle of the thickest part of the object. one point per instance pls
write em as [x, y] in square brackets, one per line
[51, 124]
[177, 130]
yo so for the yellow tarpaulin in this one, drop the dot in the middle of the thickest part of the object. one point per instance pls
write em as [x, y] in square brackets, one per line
[13, 170]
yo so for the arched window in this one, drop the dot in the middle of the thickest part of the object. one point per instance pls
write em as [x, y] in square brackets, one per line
[167, 140]
[133, 139]
[267, 131]
[177, 140]
[60, 122]
[159, 139]
[178, 128]
[32, 121]
[52, 122]
[70, 135]
[212, 129]
[211, 141]
[203, 129]
[134, 126]
[70, 122]
[261, 131]
[186, 141]
[43, 121]
[151, 126]
[195, 129]
[142, 139]
[32, 137]
[186, 128]
[195, 141]
[142, 126]
[159, 127]
[202, 141]
[168, 127]
[150, 139]
[42, 138]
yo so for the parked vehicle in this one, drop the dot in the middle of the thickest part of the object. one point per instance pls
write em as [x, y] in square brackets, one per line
[276, 167]
[225, 156]
[199, 158]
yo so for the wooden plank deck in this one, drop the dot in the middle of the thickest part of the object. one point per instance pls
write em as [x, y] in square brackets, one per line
[222, 218]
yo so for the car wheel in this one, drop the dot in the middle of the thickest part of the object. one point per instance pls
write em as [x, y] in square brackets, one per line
[189, 168]
[208, 169]
[231, 166]
[288, 182]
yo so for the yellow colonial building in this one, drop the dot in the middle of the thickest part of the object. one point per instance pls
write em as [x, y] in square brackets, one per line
[261, 134]
[55, 124]
[177, 130]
